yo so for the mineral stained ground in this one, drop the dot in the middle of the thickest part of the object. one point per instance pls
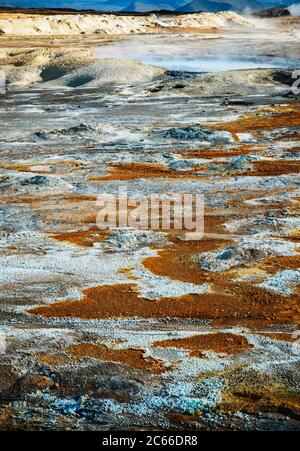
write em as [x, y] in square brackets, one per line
[141, 329]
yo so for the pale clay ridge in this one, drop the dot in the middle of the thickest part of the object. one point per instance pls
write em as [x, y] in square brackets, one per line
[72, 68]
[68, 25]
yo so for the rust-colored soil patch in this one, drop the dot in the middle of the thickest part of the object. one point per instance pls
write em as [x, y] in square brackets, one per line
[184, 421]
[42, 168]
[280, 118]
[72, 211]
[132, 357]
[253, 399]
[233, 303]
[53, 359]
[275, 167]
[84, 238]
[37, 199]
[280, 336]
[274, 264]
[244, 149]
[133, 171]
[73, 197]
[218, 342]
[34, 382]
[176, 261]
[18, 167]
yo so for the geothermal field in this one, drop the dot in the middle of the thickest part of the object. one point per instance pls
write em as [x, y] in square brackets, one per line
[143, 329]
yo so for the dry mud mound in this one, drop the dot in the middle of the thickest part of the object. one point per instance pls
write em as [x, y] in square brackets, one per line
[73, 24]
[109, 71]
[27, 67]
[71, 68]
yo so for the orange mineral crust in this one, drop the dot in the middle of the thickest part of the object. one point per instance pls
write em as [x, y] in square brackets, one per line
[132, 171]
[218, 342]
[269, 119]
[256, 396]
[244, 149]
[43, 168]
[274, 264]
[131, 357]
[265, 168]
[84, 238]
[52, 359]
[176, 261]
[234, 303]
[280, 336]
[70, 211]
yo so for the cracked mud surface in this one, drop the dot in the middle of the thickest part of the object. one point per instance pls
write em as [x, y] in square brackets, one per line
[132, 329]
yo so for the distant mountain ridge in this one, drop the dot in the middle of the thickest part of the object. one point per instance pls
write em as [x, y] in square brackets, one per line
[141, 6]
[105, 5]
[273, 12]
[153, 5]
[220, 5]
[204, 5]
[184, 6]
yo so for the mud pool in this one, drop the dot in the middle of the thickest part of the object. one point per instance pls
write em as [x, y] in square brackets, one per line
[188, 53]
